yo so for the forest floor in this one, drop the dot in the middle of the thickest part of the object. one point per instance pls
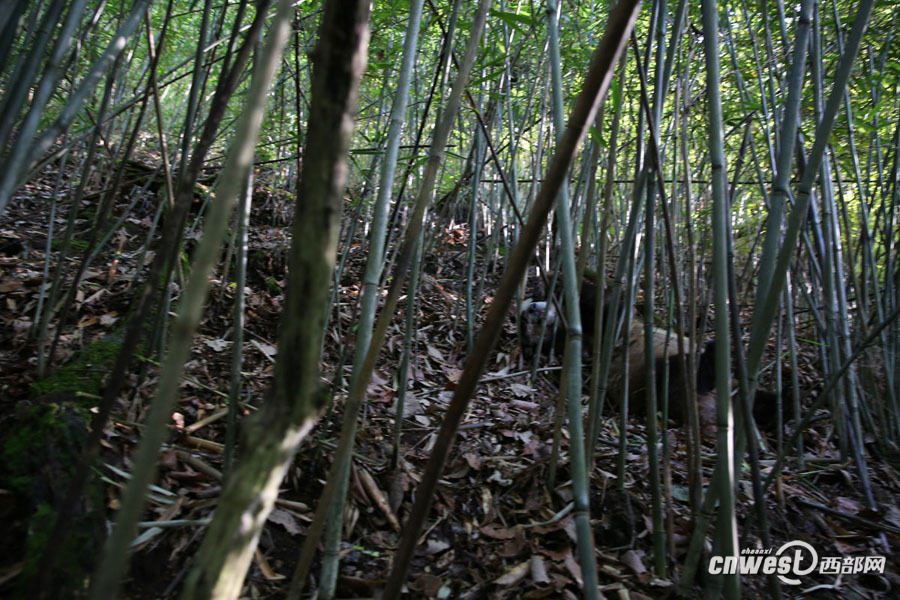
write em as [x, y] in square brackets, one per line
[497, 528]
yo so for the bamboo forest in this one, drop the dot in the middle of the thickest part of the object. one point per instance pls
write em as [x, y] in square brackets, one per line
[499, 299]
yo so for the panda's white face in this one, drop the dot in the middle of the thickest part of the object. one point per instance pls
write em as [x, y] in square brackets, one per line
[538, 311]
[532, 319]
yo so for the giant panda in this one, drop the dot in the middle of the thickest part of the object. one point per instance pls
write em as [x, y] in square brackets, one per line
[666, 356]
[535, 313]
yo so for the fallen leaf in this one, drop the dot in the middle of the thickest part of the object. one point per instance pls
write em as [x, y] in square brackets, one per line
[496, 533]
[286, 520]
[217, 345]
[515, 574]
[632, 560]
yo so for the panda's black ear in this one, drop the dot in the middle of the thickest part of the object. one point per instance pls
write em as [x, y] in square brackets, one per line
[706, 369]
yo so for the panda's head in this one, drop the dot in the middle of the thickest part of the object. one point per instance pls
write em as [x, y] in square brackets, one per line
[534, 314]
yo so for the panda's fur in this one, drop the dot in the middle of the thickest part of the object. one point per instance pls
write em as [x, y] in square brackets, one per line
[535, 313]
[666, 356]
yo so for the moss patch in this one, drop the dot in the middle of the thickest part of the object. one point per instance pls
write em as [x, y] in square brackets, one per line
[74, 245]
[39, 455]
[272, 286]
[84, 374]
[47, 437]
